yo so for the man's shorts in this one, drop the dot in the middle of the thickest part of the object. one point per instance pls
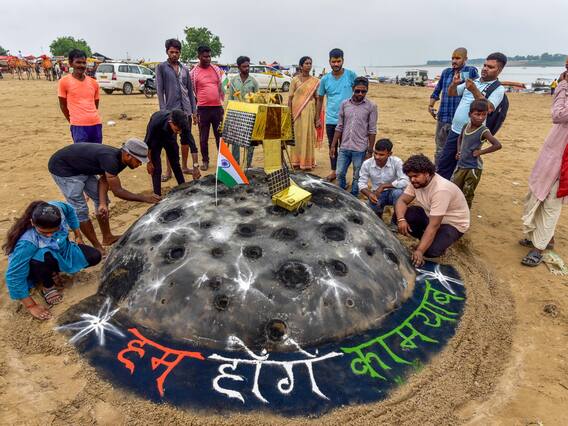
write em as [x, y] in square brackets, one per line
[74, 188]
[92, 134]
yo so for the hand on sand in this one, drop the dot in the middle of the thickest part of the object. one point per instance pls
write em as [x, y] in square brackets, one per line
[417, 258]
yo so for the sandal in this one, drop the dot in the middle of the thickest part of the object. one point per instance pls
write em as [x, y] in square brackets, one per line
[52, 296]
[166, 178]
[525, 242]
[532, 259]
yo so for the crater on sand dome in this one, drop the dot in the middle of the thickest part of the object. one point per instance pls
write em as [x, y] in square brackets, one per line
[249, 269]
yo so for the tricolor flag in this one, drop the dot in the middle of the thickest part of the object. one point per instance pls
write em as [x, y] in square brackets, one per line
[228, 170]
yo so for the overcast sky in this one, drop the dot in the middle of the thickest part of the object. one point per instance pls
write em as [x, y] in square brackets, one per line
[372, 32]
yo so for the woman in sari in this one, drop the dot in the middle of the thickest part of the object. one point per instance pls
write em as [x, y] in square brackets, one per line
[302, 103]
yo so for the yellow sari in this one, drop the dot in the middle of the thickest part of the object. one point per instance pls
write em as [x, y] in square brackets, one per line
[303, 114]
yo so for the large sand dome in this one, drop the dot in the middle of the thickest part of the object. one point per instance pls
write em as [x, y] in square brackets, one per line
[202, 272]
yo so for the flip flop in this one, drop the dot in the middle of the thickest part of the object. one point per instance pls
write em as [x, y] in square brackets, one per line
[166, 178]
[525, 242]
[52, 297]
[532, 259]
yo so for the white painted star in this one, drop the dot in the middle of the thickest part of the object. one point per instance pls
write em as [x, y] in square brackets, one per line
[99, 324]
[437, 274]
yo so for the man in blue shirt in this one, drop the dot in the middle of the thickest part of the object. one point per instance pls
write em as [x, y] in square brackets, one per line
[337, 86]
[449, 104]
[470, 90]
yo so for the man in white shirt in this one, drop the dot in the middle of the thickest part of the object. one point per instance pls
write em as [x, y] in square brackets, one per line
[388, 181]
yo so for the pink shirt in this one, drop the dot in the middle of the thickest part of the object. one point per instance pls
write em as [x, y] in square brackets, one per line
[207, 83]
[442, 198]
[546, 170]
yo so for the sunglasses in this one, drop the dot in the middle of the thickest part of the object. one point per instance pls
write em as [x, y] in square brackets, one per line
[359, 92]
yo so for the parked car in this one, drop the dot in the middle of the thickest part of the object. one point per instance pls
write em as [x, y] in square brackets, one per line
[263, 74]
[414, 78]
[122, 76]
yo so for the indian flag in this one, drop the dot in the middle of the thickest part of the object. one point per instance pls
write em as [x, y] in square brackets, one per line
[228, 170]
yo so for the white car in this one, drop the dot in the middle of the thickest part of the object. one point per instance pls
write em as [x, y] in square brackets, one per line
[263, 74]
[113, 76]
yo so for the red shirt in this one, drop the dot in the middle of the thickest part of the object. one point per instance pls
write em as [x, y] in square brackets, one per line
[207, 86]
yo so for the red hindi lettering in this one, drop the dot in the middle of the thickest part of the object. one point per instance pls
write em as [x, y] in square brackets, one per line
[136, 345]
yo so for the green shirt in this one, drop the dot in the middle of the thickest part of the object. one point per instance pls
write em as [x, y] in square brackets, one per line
[236, 84]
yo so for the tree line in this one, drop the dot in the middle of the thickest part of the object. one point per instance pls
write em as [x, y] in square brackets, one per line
[193, 38]
[544, 58]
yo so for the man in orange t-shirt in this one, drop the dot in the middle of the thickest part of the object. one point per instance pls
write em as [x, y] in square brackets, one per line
[79, 100]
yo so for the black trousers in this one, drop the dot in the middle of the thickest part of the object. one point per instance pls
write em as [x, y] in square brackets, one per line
[42, 272]
[209, 116]
[172, 152]
[418, 220]
[330, 131]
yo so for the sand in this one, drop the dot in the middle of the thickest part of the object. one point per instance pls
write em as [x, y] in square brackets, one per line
[507, 363]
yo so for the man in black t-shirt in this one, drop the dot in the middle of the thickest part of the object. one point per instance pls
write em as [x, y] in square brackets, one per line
[75, 169]
[161, 134]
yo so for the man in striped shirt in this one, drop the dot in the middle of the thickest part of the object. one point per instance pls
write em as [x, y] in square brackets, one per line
[357, 129]
[449, 104]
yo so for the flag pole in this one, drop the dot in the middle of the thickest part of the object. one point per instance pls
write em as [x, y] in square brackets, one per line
[217, 170]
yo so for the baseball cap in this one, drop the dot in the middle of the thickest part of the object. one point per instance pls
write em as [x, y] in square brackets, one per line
[137, 149]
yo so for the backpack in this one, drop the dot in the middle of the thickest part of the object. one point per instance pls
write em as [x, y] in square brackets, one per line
[496, 118]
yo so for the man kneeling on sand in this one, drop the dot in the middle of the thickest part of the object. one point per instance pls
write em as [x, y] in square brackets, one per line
[441, 216]
[75, 169]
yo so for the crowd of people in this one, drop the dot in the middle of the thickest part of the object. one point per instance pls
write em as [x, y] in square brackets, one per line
[431, 200]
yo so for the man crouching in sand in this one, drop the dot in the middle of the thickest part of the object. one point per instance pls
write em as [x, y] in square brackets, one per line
[441, 216]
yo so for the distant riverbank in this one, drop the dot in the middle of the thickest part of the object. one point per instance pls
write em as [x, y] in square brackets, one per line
[526, 75]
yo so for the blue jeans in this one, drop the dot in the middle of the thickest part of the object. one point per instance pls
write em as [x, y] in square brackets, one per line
[73, 188]
[387, 198]
[92, 134]
[344, 159]
[447, 161]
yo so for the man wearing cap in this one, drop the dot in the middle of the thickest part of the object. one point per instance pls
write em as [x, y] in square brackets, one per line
[161, 134]
[75, 169]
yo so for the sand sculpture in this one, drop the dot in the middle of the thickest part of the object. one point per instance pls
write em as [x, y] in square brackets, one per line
[245, 305]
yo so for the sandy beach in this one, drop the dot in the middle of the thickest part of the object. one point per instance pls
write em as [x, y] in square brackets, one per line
[507, 363]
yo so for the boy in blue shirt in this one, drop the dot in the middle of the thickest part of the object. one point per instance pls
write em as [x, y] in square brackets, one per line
[470, 165]
[337, 86]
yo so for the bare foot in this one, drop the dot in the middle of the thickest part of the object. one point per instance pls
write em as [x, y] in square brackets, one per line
[331, 177]
[39, 312]
[110, 240]
[187, 171]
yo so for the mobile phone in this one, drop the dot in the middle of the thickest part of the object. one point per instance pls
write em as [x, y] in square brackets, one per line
[464, 75]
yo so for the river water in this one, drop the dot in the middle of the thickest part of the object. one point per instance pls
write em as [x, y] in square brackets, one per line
[525, 75]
